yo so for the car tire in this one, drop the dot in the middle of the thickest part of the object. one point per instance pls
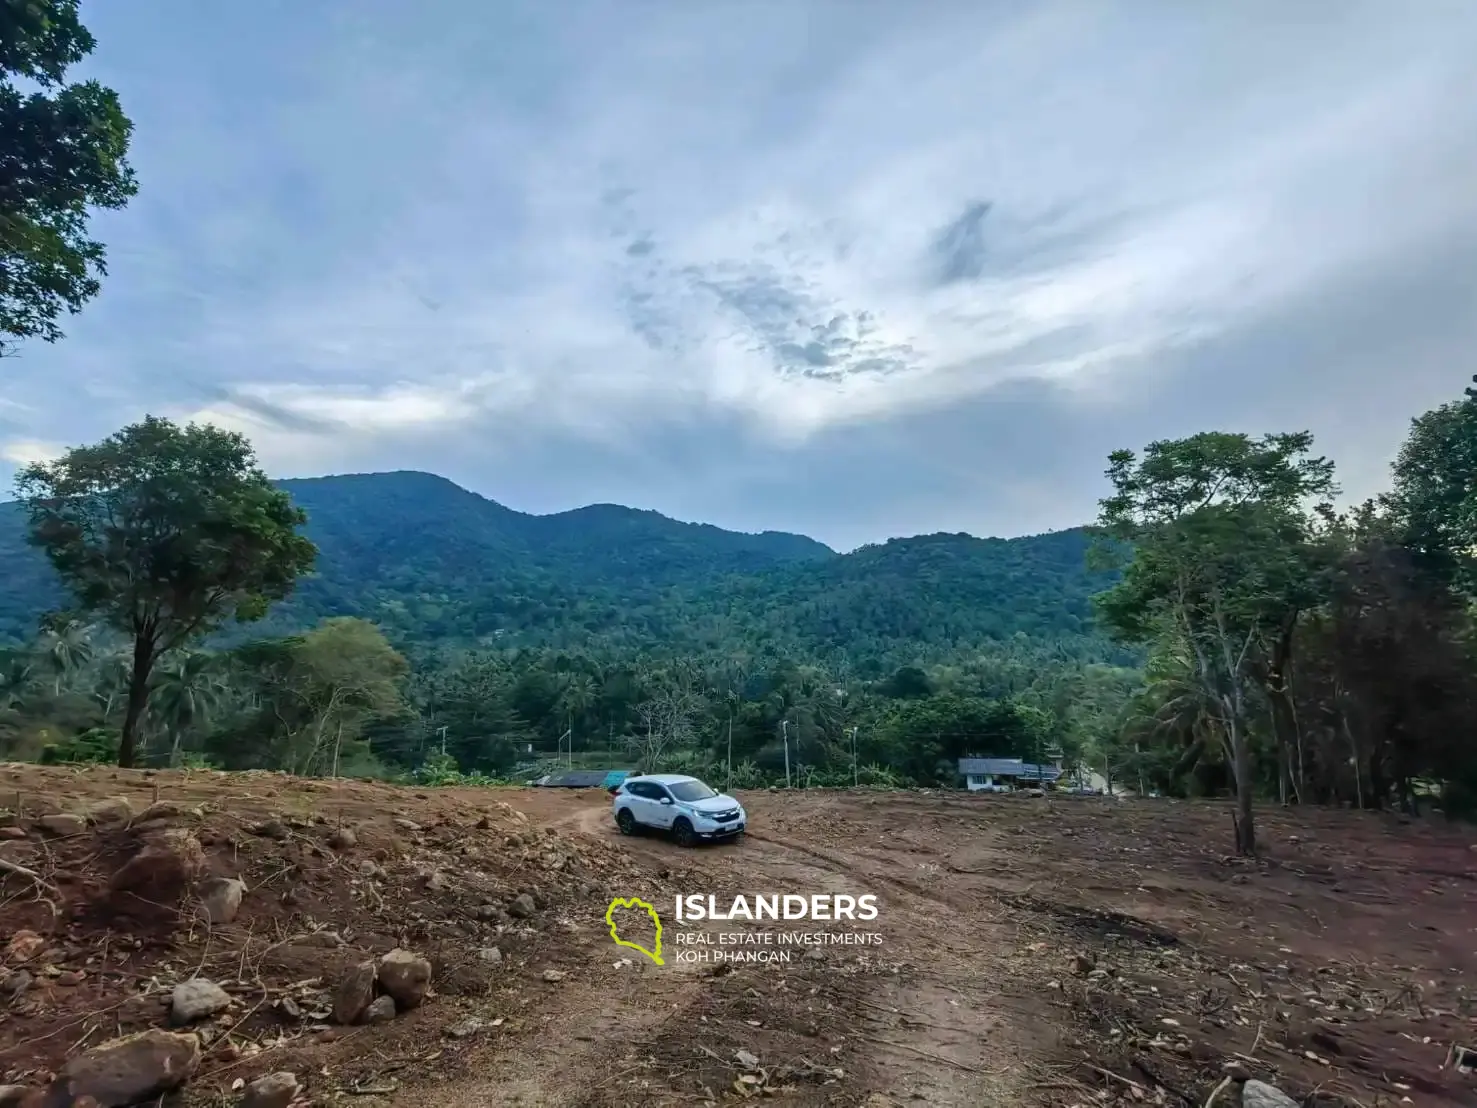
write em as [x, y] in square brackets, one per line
[626, 822]
[683, 833]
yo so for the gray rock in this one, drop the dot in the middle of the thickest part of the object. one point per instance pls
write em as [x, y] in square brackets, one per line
[380, 1010]
[522, 906]
[115, 809]
[220, 898]
[354, 993]
[276, 1090]
[406, 977]
[63, 824]
[491, 955]
[465, 1029]
[197, 999]
[1258, 1094]
[130, 1070]
[325, 940]
[553, 976]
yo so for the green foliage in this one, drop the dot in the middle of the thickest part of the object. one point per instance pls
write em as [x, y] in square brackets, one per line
[1433, 503]
[63, 152]
[95, 746]
[163, 533]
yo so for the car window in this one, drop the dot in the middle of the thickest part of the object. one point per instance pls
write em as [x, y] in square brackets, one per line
[692, 790]
[657, 791]
[638, 788]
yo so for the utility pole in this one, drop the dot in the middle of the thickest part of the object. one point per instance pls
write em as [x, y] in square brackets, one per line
[854, 779]
[559, 747]
[729, 785]
[442, 732]
[785, 730]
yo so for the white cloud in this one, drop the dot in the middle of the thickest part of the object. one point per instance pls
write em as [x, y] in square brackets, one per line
[24, 452]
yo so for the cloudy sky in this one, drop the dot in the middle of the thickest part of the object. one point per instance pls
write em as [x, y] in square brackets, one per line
[857, 269]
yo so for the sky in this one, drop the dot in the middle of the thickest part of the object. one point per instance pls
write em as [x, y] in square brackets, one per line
[855, 269]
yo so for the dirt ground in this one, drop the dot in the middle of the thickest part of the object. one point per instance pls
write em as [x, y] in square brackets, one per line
[1052, 951]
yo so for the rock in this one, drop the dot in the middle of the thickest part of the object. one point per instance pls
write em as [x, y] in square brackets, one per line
[16, 984]
[343, 839]
[23, 946]
[276, 1090]
[489, 911]
[406, 977]
[115, 809]
[63, 824]
[128, 1070]
[71, 978]
[815, 954]
[408, 826]
[220, 898]
[163, 869]
[436, 882]
[368, 868]
[272, 829]
[354, 993]
[1258, 1094]
[1084, 963]
[159, 810]
[465, 1029]
[522, 906]
[747, 1060]
[290, 1008]
[540, 901]
[491, 955]
[380, 1010]
[197, 999]
[12, 833]
[553, 976]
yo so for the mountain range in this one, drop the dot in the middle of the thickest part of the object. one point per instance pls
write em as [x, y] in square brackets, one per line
[437, 565]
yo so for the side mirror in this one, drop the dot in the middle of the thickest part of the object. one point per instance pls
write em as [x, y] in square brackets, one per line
[666, 800]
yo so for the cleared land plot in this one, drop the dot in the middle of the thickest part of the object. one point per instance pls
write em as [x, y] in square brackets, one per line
[1047, 951]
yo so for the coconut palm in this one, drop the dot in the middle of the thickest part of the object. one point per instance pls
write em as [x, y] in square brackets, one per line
[64, 649]
[184, 694]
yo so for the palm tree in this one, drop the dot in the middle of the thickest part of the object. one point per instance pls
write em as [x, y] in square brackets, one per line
[184, 694]
[65, 648]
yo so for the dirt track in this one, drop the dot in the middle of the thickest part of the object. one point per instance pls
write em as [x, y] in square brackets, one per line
[1048, 951]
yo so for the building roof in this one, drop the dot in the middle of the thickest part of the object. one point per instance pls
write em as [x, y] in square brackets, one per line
[1007, 767]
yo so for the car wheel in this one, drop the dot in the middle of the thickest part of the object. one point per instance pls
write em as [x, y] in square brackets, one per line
[626, 822]
[682, 831]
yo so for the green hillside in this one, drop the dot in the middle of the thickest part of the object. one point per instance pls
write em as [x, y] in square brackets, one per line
[436, 564]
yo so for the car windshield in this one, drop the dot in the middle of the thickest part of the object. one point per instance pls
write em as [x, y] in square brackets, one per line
[691, 790]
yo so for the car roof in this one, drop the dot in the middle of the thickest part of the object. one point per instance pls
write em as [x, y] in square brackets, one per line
[666, 778]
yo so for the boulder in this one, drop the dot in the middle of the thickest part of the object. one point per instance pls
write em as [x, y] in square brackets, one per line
[354, 993]
[343, 839]
[63, 824]
[276, 1090]
[1258, 1094]
[159, 810]
[126, 1071]
[163, 869]
[197, 999]
[406, 977]
[115, 809]
[380, 1010]
[220, 898]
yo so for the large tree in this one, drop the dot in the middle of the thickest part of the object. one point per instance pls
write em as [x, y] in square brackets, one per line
[1221, 535]
[164, 533]
[63, 151]
[1434, 499]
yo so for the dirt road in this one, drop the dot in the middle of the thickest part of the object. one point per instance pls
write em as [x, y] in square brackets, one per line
[1050, 951]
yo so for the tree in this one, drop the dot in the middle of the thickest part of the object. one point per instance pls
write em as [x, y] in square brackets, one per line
[346, 673]
[63, 150]
[1219, 530]
[1434, 498]
[164, 533]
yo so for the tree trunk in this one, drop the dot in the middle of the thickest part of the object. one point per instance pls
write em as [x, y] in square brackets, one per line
[138, 698]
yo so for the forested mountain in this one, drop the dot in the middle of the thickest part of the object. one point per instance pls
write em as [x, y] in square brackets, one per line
[435, 564]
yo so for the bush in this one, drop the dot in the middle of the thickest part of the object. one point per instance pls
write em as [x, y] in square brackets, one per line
[95, 746]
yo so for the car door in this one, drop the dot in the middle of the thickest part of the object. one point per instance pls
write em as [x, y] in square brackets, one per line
[645, 809]
[663, 807]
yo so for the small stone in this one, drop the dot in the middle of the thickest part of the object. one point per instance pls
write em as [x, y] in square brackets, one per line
[159, 810]
[369, 868]
[220, 898]
[380, 1010]
[16, 984]
[408, 826]
[12, 833]
[70, 978]
[343, 839]
[290, 1008]
[197, 999]
[276, 1090]
[128, 1070]
[465, 1029]
[1083, 963]
[324, 940]
[272, 829]
[747, 1060]
[436, 882]
[23, 946]
[491, 955]
[489, 911]
[553, 976]
[406, 977]
[354, 993]
[1258, 1094]
[63, 824]
[522, 906]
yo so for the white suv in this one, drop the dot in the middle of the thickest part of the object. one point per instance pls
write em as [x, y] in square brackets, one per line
[682, 805]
